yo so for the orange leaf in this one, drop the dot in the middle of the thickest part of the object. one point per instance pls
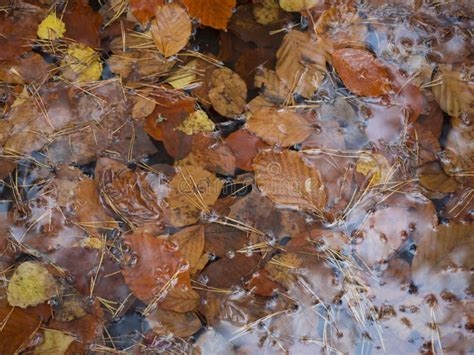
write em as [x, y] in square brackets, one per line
[362, 74]
[153, 266]
[144, 10]
[171, 29]
[213, 13]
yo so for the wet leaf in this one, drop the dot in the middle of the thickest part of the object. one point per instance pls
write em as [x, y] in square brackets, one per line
[433, 178]
[288, 179]
[31, 284]
[279, 127]
[179, 324]
[180, 301]
[301, 65]
[154, 268]
[190, 243]
[51, 28]
[171, 29]
[143, 108]
[454, 92]
[443, 260]
[228, 92]
[362, 74]
[213, 13]
[192, 191]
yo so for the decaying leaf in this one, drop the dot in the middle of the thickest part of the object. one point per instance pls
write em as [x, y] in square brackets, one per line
[81, 63]
[361, 72]
[301, 64]
[228, 93]
[171, 29]
[51, 28]
[31, 284]
[279, 127]
[288, 179]
[454, 93]
[266, 12]
[196, 122]
[213, 13]
[375, 167]
[180, 301]
[192, 191]
[54, 342]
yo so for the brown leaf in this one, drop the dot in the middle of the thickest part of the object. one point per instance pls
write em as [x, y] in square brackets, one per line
[144, 10]
[279, 127]
[75, 18]
[90, 212]
[245, 147]
[192, 191]
[228, 93]
[179, 324]
[444, 260]
[221, 239]
[190, 243]
[249, 61]
[143, 107]
[300, 63]
[154, 263]
[213, 13]
[180, 301]
[288, 179]
[458, 156]
[272, 87]
[454, 93]
[433, 178]
[361, 73]
[171, 29]
[18, 326]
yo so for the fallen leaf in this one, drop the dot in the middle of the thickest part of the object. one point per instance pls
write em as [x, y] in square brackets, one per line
[374, 167]
[245, 146]
[444, 260]
[361, 72]
[192, 191]
[171, 29]
[190, 243]
[179, 324]
[454, 92]
[180, 301]
[458, 155]
[51, 28]
[301, 64]
[196, 122]
[266, 12]
[279, 127]
[144, 10]
[433, 178]
[54, 342]
[155, 267]
[228, 92]
[213, 13]
[143, 108]
[297, 5]
[288, 179]
[76, 16]
[81, 63]
[272, 87]
[31, 284]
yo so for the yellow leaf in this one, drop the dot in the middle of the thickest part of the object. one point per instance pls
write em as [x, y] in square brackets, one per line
[297, 5]
[184, 76]
[196, 122]
[54, 342]
[51, 28]
[81, 63]
[375, 165]
[31, 284]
